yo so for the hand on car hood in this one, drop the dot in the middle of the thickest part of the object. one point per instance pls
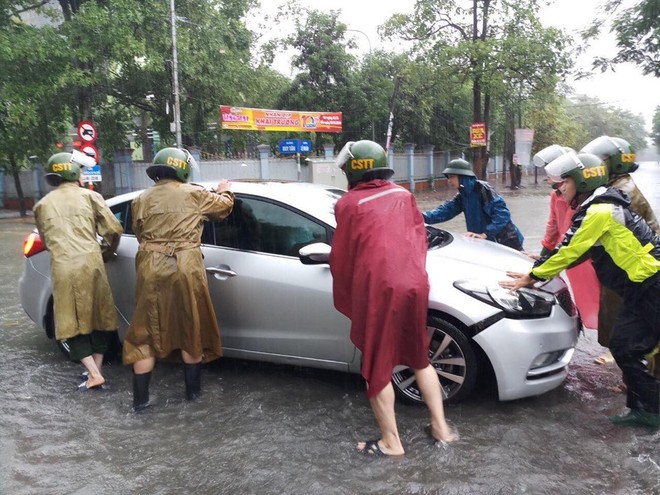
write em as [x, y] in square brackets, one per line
[466, 258]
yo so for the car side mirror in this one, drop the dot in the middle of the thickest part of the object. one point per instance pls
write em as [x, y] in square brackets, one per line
[314, 254]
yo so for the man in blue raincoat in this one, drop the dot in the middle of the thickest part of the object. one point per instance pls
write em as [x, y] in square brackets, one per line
[486, 213]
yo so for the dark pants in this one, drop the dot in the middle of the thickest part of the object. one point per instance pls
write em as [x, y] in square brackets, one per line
[82, 346]
[636, 333]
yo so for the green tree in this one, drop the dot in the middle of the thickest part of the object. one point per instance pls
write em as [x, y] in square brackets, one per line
[637, 32]
[655, 133]
[118, 66]
[598, 119]
[499, 47]
[31, 116]
[324, 80]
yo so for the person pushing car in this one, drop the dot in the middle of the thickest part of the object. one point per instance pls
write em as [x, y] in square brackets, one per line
[174, 317]
[486, 213]
[68, 219]
[625, 252]
[378, 265]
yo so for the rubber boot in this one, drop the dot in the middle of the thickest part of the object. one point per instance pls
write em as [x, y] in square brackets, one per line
[141, 391]
[636, 417]
[193, 378]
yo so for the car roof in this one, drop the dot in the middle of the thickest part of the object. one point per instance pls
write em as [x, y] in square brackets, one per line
[314, 199]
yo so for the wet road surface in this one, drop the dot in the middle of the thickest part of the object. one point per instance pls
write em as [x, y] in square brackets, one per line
[270, 429]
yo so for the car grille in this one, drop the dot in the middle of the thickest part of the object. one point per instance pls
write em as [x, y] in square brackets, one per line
[566, 302]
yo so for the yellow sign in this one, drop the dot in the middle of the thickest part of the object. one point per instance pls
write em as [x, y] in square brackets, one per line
[478, 134]
[259, 119]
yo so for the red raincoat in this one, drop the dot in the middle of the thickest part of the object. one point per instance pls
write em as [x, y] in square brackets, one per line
[583, 279]
[378, 264]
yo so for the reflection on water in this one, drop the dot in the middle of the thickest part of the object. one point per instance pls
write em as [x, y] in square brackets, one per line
[280, 430]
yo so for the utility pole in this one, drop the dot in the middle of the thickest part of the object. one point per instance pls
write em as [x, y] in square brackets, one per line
[373, 128]
[175, 79]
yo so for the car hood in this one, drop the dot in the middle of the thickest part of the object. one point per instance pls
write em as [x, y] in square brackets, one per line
[466, 258]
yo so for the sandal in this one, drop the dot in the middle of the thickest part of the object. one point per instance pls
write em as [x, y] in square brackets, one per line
[371, 447]
[84, 388]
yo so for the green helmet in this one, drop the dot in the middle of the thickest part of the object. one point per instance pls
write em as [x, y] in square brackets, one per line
[617, 152]
[587, 170]
[61, 167]
[363, 160]
[174, 163]
[459, 167]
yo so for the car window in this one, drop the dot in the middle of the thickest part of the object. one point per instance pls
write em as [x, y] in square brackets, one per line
[257, 225]
[122, 212]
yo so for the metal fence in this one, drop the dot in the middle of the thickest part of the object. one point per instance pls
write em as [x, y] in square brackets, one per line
[413, 169]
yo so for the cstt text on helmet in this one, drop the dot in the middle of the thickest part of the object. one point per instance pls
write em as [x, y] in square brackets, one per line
[600, 171]
[59, 167]
[175, 162]
[362, 163]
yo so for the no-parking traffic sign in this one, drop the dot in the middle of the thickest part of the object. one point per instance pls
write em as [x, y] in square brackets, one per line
[91, 151]
[87, 131]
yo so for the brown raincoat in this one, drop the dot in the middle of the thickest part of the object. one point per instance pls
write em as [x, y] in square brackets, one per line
[68, 219]
[173, 309]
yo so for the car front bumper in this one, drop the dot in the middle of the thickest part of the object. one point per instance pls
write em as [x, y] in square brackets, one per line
[513, 346]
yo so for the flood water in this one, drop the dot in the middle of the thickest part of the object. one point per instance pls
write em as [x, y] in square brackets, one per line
[282, 430]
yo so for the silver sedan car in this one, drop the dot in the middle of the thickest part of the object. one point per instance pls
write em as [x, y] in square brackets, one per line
[272, 291]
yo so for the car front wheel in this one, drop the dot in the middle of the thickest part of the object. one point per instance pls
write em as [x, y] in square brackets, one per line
[452, 357]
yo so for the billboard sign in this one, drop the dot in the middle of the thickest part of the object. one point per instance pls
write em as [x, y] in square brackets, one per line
[259, 119]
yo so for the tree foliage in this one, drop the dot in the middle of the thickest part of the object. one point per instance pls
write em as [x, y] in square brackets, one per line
[598, 119]
[637, 32]
[500, 47]
[655, 133]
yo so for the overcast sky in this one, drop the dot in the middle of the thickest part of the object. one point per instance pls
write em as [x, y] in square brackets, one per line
[626, 88]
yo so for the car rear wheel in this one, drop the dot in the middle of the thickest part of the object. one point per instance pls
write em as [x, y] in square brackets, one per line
[453, 359]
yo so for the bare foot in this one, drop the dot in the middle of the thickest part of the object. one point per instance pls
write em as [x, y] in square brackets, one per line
[375, 448]
[446, 434]
[620, 388]
[94, 382]
[604, 358]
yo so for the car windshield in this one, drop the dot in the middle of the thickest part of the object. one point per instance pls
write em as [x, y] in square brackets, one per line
[437, 237]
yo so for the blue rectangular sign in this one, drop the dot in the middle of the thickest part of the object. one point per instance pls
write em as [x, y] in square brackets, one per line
[91, 174]
[288, 146]
[292, 146]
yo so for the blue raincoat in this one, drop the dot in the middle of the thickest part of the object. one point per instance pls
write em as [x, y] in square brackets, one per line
[485, 212]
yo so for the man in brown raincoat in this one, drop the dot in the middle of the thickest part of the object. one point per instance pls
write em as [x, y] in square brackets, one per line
[68, 219]
[174, 315]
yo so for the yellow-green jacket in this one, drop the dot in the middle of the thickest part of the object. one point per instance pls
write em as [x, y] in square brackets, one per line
[624, 250]
[68, 219]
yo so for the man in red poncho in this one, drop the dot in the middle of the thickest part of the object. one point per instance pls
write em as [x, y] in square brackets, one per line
[380, 282]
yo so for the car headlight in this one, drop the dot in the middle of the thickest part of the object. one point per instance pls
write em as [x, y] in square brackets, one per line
[523, 303]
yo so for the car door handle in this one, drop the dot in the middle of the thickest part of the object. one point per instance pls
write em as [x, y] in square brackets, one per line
[221, 272]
